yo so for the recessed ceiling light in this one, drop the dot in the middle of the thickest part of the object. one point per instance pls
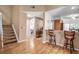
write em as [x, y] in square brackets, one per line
[73, 7]
[0, 13]
[28, 15]
[33, 6]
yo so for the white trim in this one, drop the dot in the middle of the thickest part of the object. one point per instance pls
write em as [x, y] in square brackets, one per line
[21, 41]
[15, 32]
[1, 26]
[2, 45]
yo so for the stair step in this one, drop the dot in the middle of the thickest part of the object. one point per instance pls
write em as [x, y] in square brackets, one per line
[10, 41]
[7, 25]
[7, 28]
[9, 37]
[8, 32]
[12, 44]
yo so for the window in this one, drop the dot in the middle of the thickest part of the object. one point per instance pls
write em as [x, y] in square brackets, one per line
[48, 24]
[66, 26]
[71, 27]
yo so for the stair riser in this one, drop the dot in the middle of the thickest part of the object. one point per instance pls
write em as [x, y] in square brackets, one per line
[9, 38]
[8, 29]
[8, 33]
[10, 42]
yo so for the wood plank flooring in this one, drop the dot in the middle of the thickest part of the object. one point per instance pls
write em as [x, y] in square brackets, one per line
[33, 46]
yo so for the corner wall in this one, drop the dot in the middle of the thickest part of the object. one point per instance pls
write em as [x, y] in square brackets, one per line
[6, 12]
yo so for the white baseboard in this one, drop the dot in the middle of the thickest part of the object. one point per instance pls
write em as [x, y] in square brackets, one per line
[21, 41]
[15, 32]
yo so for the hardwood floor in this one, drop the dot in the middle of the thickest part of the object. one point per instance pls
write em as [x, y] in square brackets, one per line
[33, 46]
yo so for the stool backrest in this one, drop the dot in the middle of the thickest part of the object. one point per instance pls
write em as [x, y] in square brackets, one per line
[50, 32]
[69, 34]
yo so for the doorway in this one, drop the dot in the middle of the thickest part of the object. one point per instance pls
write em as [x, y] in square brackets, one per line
[30, 27]
[34, 24]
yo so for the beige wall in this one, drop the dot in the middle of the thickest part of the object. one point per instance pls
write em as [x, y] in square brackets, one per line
[15, 18]
[6, 12]
[22, 26]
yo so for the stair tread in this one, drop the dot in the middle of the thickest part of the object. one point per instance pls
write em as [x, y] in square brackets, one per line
[9, 37]
[8, 33]
[9, 41]
[7, 28]
[12, 44]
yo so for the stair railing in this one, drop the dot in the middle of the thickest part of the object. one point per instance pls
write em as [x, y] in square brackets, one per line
[1, 30]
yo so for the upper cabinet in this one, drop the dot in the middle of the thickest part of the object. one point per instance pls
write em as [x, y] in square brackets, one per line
[57, 24]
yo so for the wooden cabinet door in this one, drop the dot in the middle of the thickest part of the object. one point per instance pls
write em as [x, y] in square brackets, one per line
[57, 25]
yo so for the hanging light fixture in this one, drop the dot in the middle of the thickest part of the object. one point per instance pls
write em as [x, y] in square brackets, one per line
[33, 6]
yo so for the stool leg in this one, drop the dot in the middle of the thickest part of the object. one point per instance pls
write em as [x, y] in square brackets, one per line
[50, 40]
[65, 44]
[72, 45]
[55, 40]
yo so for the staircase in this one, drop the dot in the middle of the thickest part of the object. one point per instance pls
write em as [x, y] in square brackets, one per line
[8, 35]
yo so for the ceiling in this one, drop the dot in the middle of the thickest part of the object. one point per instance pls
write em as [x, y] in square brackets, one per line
[35, 14]
[65, 10]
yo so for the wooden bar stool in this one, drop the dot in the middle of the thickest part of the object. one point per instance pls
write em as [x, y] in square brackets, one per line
[69, 37]
[52, 36]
